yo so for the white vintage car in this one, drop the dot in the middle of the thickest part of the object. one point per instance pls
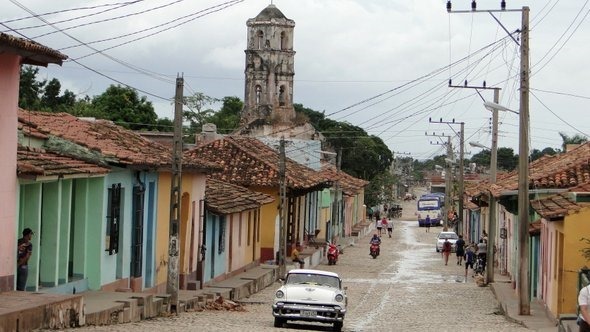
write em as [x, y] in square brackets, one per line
[310, 295]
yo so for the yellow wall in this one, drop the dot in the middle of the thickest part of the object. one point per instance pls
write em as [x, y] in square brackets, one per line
[575, 227]
[269, 214]
[162, 228]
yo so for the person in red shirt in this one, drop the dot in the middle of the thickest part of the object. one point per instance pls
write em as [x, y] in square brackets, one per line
[446, 250]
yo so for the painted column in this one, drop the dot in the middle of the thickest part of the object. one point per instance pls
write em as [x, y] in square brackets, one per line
[64, 232]
[31, 218]
[9, 83]
[48, 254]
[80, 230]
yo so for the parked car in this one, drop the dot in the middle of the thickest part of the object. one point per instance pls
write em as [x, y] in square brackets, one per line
[310, 295]
[440, 239]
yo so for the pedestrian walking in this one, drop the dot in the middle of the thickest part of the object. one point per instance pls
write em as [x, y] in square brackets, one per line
[446, 250]
[390, 227]
[427, 223]
[460, 249]
[469, 260]
[583, 303]
[379, 226]
[482, 252]
[25, 250]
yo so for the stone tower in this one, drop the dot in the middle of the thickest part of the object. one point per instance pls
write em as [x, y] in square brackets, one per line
[268, 98]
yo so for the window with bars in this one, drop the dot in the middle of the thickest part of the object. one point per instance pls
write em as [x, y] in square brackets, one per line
[113, 219]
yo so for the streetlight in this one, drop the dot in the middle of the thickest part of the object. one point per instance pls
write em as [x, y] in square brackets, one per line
[479, 145]
[491, 106]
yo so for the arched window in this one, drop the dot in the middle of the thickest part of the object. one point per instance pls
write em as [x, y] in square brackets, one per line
[283, 41]
[260, 39]
[282, 95]
[258, 94]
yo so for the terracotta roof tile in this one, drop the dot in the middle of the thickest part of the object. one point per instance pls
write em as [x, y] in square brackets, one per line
[349, 184]
[31, 51]
[226, 198]
[560, 205]
[560, 171]
[33, 162]
[247, 161]
[113, 142]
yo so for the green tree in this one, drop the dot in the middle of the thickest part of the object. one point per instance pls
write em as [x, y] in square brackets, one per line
[30, 89]
[536, 153]
[227, 119]
[507, 160]
[575, 139]
[197, 111]
[123, 106]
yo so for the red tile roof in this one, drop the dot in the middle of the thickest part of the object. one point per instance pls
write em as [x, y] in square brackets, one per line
[33, 162]
[247, 161]
[560, 171]
[226, 198]
[31, 52]
[116, 144]
[560, 205]
[349, 184]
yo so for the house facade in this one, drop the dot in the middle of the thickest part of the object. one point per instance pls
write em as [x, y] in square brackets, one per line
[14, 52]
[554, 232]
[108, 220]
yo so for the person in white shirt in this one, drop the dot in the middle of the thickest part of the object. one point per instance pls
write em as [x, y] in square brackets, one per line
[583, 302]
[379, 226]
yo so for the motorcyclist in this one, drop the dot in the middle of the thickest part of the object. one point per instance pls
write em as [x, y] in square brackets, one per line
[375, 240]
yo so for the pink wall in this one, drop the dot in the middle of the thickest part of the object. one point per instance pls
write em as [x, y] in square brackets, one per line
[9, 81]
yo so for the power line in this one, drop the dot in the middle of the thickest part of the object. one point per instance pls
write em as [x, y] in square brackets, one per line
[69, 10]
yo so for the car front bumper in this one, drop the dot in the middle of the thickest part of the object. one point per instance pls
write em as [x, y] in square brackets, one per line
[306, 312]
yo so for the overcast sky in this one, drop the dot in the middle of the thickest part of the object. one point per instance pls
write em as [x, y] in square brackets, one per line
[382, 65]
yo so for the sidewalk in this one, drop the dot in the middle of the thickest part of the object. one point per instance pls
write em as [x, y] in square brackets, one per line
[508, 298]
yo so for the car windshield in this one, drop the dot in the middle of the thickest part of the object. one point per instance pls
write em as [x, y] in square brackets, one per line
[313, 279]
[450, 236]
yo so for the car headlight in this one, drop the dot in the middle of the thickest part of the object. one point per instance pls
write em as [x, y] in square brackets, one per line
[279, 294]
[339, 298]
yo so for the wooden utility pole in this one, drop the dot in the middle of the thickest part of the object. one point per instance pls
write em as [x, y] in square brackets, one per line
[524, 302]
[523, 150]
[448, 184]
[493, 223]
[282, 210]
[459, 222]
[461, 179]
[448, 178]
[173, 243]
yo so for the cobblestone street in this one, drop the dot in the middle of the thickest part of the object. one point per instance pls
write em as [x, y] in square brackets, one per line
[407, 288]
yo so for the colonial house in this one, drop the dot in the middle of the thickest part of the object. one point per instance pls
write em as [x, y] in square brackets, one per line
[548, 176]
[231, 232]
[14, 52]
[250, 163]
[352, 191]
[565, 234]
[117, 226]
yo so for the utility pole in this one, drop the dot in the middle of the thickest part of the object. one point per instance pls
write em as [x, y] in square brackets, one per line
[282, 210]
[492, 222]
[461, 171]
[337, 216]
[524, 301]
[461, 179]
[448, 179]
[173, 245]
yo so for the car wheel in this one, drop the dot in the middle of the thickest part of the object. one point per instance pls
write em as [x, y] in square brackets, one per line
[338, 326]
[279, 322]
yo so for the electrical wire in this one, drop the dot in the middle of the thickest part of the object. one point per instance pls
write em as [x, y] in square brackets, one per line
[69, 10]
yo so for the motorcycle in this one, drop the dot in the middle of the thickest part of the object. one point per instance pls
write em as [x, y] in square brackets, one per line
[374, 250]
[332, 254]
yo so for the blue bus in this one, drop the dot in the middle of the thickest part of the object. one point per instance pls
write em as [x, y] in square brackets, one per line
[430, 205]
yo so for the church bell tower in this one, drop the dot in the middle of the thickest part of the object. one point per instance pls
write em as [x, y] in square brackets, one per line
[268, 98]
